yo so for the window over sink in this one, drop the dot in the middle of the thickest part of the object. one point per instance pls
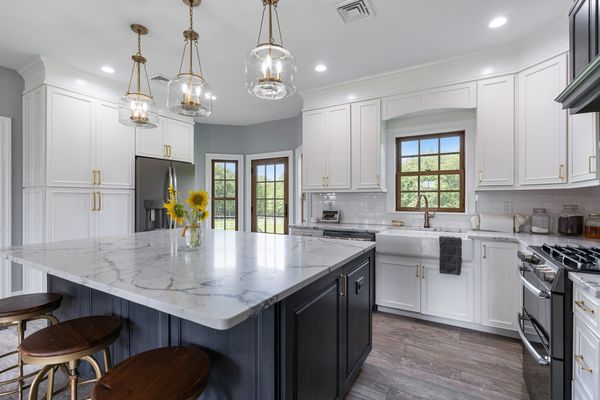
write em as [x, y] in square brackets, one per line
[434, 166]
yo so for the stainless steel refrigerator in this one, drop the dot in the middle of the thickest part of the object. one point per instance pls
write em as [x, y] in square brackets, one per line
[152, 179]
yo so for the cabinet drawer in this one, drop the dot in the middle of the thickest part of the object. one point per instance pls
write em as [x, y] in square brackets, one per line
[587, 308]
[586, 360]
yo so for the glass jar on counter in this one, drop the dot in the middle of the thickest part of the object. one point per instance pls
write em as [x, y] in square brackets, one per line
[570, 221]
[540, 221]
[592, 226]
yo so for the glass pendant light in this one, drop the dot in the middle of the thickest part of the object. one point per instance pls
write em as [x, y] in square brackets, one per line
[270, 67]
[138, 108]
[189, 93]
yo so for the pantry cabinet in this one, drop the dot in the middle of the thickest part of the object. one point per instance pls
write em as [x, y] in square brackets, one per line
[367, 166]
[172, 140]
[583, 147]
[542, 124]
[500, 289]
[495, 132]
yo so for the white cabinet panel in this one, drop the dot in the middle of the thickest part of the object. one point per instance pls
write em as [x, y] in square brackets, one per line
[339, 148]
[115, 148]
[314, 150]
[398, 283]
[583, 147]
[70, 139]
[447, 296]
[586, 360]
[151, 142]
[499, 285]
[69, 213]
[180, 136]
[495, 131]
[115, 212]
[542, 124]
[366, 145]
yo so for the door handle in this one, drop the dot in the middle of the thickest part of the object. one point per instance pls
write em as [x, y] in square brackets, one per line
[93, 177]
[542, 360]
[360, 283]
[418, 268]
[378, 180]
[170, 151]
[422, 271]
[99, 201]
[94, 207]
[343, 285]
[580, 363]
[591, 170]
[480, 176]
[323, 181]
[99, 177]
[561, 172]
[529, 286]
[583, 307]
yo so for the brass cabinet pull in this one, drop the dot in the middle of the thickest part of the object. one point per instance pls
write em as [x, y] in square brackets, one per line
[323, 181]
[480, 175]
[418, 267]
[582, 306]
[166, 151]
[170, 152]
[484, 251]
[378, 180]
[580, 363]
[591, 170]
[99, 177]
[561, 172]
[327, 181]
[93, 177]
[95, 207]
[343, 285]
[423, 271]
[99, 201]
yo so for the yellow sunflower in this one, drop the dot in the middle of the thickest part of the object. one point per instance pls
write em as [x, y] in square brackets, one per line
[175, 211]
[203, 215]
[198, 200]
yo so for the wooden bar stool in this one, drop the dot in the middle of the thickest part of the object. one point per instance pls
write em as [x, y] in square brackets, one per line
[168, 373]
[68, 343]
[17, 311]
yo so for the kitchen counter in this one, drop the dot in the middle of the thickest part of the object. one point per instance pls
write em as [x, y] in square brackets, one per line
[590, 283]
[361, 228]
[231, 277]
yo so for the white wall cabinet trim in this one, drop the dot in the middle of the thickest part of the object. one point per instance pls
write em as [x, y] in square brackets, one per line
[367, 146]
[5, 203]
[339, 149]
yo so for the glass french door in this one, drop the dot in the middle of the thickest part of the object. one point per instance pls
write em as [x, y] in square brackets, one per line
[224, 205]
[270, 194]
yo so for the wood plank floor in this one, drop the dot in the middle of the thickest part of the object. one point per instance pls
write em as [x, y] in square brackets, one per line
[414, 360]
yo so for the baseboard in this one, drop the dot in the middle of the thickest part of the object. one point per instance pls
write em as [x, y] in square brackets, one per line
[446, 321]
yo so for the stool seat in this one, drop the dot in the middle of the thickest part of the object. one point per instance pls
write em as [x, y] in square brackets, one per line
[168, 373]
[15, 307]
[77, 338]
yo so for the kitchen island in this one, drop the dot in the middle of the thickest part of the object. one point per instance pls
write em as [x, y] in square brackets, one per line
[281, 317]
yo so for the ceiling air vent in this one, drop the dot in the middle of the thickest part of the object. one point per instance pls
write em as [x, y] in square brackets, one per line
[354, 11]
[160, 79]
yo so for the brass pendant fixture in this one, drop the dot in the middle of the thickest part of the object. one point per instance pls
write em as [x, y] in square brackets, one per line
[137, 108]
[189, 93]
[270, 67]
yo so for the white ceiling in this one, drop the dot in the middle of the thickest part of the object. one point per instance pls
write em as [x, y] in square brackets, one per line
[88, 34]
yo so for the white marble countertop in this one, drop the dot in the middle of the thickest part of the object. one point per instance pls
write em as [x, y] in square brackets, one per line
[342, 226]
[590, 283]
[231, 277]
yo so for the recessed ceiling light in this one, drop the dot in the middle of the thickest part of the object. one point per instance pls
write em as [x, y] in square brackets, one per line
[498, 22]
[108, 70]
[321, 68]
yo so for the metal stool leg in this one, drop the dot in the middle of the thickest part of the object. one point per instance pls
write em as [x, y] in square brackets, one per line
[73, 377]
[50, 389]
[107, 360]
[21, 326]
[35, 385]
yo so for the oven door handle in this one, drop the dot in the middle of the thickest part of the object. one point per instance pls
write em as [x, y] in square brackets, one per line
[542, 360]
[529, 286]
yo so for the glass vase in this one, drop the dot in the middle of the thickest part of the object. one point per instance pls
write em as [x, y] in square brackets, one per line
[193, 236]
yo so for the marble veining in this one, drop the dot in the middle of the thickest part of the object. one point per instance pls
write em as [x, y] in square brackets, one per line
[233, 275]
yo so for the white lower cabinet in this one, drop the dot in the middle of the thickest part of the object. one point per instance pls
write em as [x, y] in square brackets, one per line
[586, 361]
[418, 286]
[398, 283]
[74, 213]
[500, 294]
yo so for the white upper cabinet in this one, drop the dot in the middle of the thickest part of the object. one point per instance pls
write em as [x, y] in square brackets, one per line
[115, 149]
[542, 124]
[339, 148]
[495, 131]
[583, 147]
[172, 140]
[366, 145]
[314, 150]
[70, 140]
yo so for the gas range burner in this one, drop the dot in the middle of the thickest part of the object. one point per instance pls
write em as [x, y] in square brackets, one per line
[580, 258]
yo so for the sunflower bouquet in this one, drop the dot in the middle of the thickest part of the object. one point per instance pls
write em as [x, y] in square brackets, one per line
[189, 217]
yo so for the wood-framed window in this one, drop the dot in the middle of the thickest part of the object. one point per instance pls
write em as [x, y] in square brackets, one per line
[270, 195]
[225, 197]
[434, 166]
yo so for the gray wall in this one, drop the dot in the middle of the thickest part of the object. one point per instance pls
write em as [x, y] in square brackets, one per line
[11, 95]
[284, 134]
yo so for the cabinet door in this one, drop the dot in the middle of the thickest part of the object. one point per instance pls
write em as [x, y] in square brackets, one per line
[314, 150]
[586, 359]
[366, 145]
[398, 283]
[69, 214]
[151, 142]
[583, 147]
[495, 131]
[115, 148]
[582, 35]
[115, 213]
[499, 285]
[447, 296]
[542, 124]
[312, 319]
[358, 316]
[70, 139]
[180, 136]
[339, 148]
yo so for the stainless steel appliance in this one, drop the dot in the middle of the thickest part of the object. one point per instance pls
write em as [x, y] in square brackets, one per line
[152, 180]
[546, 320]
[349, 235]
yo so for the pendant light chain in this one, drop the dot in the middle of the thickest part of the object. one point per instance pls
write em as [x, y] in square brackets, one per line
[262, 20]
[279, 26]
[190, 38]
